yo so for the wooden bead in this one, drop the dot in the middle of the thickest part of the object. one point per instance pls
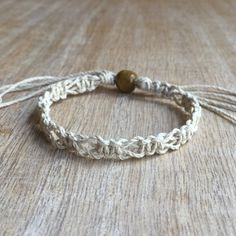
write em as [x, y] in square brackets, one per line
[125, 81]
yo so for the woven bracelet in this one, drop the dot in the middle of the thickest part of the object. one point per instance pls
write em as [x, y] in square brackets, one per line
[96, 147]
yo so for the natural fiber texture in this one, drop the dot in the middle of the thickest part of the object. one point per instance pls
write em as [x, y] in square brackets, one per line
[190, 98]
[96, 147]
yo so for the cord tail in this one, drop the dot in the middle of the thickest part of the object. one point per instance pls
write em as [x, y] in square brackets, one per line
[215, 99]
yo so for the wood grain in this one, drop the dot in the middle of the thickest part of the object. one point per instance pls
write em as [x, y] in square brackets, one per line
[44, 191]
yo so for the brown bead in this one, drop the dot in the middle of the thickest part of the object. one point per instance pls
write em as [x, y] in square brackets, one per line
[125, 81]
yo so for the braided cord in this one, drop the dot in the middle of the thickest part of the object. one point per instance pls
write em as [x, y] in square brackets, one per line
[96, 147]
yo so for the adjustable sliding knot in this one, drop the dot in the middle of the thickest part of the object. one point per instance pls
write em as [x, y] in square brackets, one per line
[185, 102]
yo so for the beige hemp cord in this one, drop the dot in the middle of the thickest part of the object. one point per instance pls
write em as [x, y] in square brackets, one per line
[190, 98]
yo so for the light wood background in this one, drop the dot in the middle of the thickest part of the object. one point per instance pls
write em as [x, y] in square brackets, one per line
[44, 191]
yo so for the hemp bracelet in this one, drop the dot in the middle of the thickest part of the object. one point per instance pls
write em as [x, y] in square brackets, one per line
[189, 98]
[96, 147]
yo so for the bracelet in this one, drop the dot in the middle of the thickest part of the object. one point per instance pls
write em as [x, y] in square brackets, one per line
[190, 98]
[96, 147]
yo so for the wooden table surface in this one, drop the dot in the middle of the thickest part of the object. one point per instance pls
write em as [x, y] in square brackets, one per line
[44, 191]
